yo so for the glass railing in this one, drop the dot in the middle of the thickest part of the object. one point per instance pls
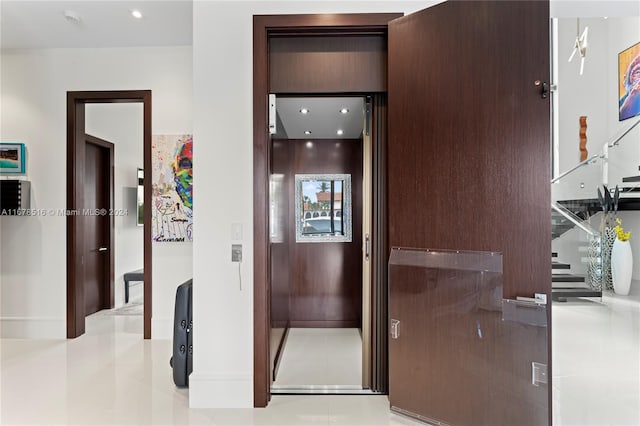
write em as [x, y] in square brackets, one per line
[581, 227]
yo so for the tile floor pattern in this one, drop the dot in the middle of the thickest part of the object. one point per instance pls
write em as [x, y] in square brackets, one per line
[110, 376]
[321, 356]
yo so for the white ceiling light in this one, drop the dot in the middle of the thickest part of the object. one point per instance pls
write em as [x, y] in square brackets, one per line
[580, 46]
[72, 16]
[340, 132]
[304, 111]
[136, 13]
[344, 110]
[307, 132]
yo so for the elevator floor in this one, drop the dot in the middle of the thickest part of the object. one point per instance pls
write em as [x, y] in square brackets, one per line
[321, 357]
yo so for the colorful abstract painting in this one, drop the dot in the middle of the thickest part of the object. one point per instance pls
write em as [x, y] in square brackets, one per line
[629, 82]
[172, 177]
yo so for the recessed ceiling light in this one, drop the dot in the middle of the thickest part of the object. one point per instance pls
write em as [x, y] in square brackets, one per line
[340, 132]
[136, 14]
[307, 132]
[304, 111]
[344, 110]
[606, 17]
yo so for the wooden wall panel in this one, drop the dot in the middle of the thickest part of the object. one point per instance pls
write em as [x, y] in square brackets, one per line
[325, 278]
[469, 140]
[339, 64]
[469, 162]
[280, 254]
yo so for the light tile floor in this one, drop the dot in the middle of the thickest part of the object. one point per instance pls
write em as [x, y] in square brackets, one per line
[321, 356]
[110, 376]
[596, 361]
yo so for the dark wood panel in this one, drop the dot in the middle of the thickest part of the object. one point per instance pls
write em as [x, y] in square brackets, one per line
[315, 64]
[95, 229]
[380, 248]
[326, 278]
[280, 258]
[469, 137]
[469, 154]
[455, 318]
[110, 176]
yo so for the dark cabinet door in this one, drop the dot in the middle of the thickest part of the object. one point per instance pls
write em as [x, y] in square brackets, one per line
[469, 169]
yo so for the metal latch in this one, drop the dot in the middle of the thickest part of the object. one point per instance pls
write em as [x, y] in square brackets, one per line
[272, 114]
[538, 373]
[394, 327]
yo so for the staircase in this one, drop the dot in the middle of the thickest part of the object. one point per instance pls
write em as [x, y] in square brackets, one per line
[575, 201]
[565, 285]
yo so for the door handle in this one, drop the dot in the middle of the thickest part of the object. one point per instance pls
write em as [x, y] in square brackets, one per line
[367, 247]
[101, 249]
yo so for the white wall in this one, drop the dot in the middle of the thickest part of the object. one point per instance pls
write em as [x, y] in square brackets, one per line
[595, 94]
[223, 123]
[122, 125]
[33, 98]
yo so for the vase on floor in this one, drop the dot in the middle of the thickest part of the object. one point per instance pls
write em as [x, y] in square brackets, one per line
[621, 267]
[609, 236]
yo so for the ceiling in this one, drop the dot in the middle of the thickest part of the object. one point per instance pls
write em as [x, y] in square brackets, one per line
[323, 118]
[42, 24]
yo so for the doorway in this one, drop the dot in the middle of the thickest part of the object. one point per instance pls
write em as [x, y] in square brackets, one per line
[316, 237]
[76, 202]
[361, 36]
[448, 168]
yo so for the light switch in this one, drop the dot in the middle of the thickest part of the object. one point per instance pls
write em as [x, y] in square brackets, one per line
[236, 231]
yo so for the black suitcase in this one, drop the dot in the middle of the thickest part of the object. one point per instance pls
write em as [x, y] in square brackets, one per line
[182, 359]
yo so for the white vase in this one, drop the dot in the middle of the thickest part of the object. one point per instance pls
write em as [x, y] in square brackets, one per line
[621, 266]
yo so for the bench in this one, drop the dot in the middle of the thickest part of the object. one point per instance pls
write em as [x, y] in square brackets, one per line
[131, 276]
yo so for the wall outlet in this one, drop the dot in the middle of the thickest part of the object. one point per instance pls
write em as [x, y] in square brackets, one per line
[236, 252]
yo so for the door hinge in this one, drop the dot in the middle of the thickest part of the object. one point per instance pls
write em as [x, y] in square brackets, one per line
[544, 88]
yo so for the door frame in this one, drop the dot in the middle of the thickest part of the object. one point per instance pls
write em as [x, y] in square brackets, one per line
[108, 289]
[76, 101]
[263, 27]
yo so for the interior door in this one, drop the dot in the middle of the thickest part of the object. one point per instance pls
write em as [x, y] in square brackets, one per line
[468, 169]
[96, 228]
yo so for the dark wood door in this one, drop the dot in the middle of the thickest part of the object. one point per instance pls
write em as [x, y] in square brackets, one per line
[468, 169]
[95, 218]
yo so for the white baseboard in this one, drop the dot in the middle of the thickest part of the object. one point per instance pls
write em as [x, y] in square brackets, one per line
[220, 390]
[162, 328]
[33, 328]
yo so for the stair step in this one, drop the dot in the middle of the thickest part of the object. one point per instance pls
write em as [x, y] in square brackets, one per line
[560, 295]
[567, 278]
[560, 265]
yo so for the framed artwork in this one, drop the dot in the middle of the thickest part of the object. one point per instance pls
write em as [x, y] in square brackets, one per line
[629, 82]
[323, 208]
[172, 188]
[12, 158]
